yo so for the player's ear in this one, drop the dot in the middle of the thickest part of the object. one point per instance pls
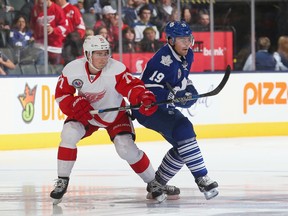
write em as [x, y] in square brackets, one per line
[171, 41]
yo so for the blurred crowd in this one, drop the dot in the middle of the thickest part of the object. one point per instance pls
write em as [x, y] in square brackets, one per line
[68, 22]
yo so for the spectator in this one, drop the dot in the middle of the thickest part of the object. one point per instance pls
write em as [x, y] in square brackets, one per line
[89, 32]
[102, 30]
[203, 22]
[186, 15]
[20, 34]
[264, 59]
[5, 64]
[129, 45]
[110, 21]
[149, 43]
[72, 48]
[26, 10]
[74, 17]
[5, 6]
[174, 15]
[80, 6]
[131, 11]
[22, 40]
[96, 7]
[281, 55]
[244, 52]
[56, 29]
[127, 10]
[165, 10]
[4, 25]
[4, 31]
[89, 4]
[144, 22]
[204, 18]
[73, 2]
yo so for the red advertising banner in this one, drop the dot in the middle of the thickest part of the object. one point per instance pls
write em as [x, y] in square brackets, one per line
[223, 53]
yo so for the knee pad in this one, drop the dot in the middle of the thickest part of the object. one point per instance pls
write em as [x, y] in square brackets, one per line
[183, 130]
[127, 149]
[71, 134]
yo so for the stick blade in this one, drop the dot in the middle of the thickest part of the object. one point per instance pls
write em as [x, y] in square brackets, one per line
[221, 84]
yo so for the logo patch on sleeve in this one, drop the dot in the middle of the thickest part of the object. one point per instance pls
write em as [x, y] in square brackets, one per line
[77, 83]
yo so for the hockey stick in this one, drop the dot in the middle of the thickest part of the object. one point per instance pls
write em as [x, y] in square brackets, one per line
[175, 100]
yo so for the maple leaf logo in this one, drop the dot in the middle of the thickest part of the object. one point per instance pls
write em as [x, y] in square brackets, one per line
[166, 60]
[27, 101]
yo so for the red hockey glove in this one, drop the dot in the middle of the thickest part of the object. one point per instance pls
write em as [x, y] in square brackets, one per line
[81, 110]
[147, 98]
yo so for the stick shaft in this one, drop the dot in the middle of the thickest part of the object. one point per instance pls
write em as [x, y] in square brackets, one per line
[175, 100]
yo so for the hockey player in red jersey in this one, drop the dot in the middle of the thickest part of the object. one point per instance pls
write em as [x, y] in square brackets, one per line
[101, 82]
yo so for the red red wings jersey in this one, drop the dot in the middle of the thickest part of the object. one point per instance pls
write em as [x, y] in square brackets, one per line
[75, 20]
[55, 18]
[104, 90]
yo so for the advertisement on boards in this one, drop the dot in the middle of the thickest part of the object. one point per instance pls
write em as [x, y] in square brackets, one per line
[30, 104]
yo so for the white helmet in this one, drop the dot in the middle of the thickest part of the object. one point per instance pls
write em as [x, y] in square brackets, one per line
[95, 43]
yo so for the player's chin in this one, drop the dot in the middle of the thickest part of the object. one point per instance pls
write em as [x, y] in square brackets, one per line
[101, 66]
[184, 51]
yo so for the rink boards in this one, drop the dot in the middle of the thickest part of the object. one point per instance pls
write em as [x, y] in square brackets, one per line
[251, 104]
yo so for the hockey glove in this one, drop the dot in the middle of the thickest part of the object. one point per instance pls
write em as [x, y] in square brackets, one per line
[179, 94]
[81, 110]
[146, 99]
[190, 88]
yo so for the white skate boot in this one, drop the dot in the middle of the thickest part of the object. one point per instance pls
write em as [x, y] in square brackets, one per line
[207, 186]
[59, 191]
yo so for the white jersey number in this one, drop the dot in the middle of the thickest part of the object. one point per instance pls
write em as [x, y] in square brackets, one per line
[157, 77]
[128, 77]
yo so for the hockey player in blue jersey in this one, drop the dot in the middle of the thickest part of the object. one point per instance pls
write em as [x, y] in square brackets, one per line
[170, 66]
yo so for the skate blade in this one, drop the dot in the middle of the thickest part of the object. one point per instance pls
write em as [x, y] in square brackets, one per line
[211, 194]
[169, 197]
[57, 201]
[159, 199]
[173, 197]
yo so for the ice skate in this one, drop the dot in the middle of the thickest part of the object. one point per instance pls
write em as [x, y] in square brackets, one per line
[59, 191]
[172, 192]
[156, 191]
[207, 186]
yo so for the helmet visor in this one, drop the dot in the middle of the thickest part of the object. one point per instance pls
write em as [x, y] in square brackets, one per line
[186, 40]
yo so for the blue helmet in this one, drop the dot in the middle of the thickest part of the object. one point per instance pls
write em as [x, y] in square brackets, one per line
[177, 29]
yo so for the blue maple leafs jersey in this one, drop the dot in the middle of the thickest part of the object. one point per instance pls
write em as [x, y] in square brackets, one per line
[167, 67]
